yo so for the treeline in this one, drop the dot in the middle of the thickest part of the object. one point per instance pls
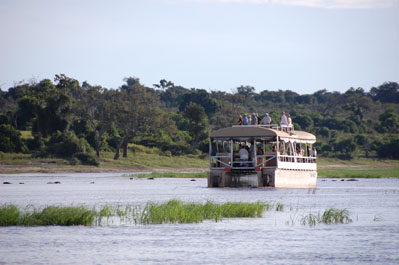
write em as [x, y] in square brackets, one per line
[79, 121]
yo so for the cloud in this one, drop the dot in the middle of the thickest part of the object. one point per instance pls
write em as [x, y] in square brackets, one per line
[330, 4]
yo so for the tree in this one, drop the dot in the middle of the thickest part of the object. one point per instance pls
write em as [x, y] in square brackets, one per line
[227, 115]
[98, 106]
[246, 90]
[164, 84]
[200, 97]
[389, 122]
[357, 102]
[198, 123]
[386, 93]
[10, 139]
[138, 114]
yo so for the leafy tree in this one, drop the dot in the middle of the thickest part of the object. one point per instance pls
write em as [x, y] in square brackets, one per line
[386, 93]
[98, 107]
[388, 148]
[198, 126]
[357, 102]
[164, 84]
[227, 115]
[138, 114]
[389, 122]
[346, 147]
[10, 140]
[66, 144]
[200, 97]
[304, 120]
[247, 91]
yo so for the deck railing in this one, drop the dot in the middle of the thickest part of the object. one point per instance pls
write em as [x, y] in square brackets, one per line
[262, 161]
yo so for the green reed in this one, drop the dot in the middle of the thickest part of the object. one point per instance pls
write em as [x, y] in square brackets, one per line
[279, 207]
[329, 216]
[335, 216]
[51, 215]
[172, 211]
[310, 219]
[176, 211]
[9, 215]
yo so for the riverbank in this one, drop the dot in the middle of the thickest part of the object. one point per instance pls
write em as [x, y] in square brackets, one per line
[135, 162]
[146, 161]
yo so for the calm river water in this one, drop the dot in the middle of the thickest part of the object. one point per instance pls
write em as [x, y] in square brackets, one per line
[276, 238]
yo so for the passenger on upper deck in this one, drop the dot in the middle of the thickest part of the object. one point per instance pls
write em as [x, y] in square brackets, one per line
[283, 120]
[259, 121]
[266, 119]
[254, 120]
[239, 120]
[289, 120]
[245, 120]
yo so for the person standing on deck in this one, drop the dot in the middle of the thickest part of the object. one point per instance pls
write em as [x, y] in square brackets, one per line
[245, 120]
[290, 125]
[239, 120]
[254, 120]
[283, 121]
[266, 119]
[314, 152]
[259, 120]
[243, 152]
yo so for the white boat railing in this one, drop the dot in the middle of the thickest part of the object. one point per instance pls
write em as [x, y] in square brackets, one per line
[262, 161]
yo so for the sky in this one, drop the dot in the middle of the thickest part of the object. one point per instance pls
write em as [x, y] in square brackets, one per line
[217, 45]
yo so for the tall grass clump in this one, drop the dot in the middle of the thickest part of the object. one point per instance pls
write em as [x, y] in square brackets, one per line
[329, 216]
[335, 216]
[176, 211]
[57, 215]
[9, 215]
[242, 209]
[52, 215]
[279, 207]
[310, 219]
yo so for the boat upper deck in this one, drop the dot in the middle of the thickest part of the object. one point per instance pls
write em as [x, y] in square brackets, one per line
[265, 132]
[267, 146]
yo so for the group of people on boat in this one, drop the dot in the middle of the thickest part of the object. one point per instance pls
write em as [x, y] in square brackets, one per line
[254, 119]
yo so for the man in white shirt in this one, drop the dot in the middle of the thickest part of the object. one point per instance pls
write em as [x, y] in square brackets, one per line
[266, 119]
[243, 154]
[283, 121]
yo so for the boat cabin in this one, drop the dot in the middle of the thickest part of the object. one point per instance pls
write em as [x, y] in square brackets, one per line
[262, 156]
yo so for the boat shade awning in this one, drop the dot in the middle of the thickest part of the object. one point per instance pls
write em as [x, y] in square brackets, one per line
[259, 132]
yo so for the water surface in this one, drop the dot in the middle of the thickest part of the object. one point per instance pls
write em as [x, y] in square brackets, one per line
[276, 238]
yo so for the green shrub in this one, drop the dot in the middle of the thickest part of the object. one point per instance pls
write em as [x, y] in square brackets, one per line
[87, 159]
[10, 140]
[66, 144]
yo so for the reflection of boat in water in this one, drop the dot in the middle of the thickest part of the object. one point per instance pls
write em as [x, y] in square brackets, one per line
[277, 157]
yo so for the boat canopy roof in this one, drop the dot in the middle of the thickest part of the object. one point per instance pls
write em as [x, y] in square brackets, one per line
[262, 132]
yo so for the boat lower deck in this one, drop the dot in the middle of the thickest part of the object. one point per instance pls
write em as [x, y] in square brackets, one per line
[279, 178]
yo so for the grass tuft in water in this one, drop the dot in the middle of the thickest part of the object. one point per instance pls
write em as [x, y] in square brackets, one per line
[173, 211]
[51, 215]
[310, 219]
[279, 207]
[9, 215]
[335, 216]
[176, 211]
[329, 216]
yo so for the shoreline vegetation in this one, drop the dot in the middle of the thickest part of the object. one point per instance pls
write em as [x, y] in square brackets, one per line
[170, 212]
[189, 166]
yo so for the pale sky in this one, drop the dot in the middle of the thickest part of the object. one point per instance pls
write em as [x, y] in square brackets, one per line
[301, 45]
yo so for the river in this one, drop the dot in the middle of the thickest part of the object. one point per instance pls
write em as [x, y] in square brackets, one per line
[276, 238]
